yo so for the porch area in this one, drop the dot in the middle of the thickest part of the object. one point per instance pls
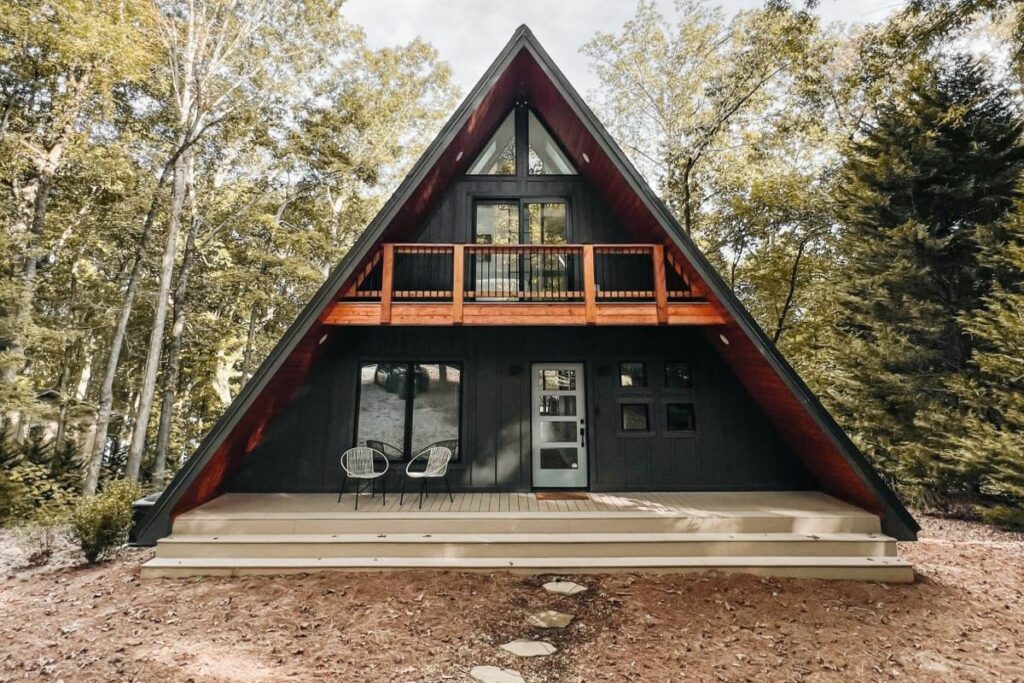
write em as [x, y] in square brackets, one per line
[784, 533]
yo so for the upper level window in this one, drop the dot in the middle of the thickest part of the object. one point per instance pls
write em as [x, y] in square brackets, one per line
[545, 157]
[499, 155]
[521, 141]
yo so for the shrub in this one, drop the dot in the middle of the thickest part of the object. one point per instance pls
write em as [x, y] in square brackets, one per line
[100, 524]
[27, 488]
[39, 535]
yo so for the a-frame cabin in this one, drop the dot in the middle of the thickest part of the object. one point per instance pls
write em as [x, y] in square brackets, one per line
[526, 301]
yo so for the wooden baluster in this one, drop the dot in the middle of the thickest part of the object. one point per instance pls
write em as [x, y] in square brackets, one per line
[589, 288]
[386, 285]
[660, 293]
[458, 259]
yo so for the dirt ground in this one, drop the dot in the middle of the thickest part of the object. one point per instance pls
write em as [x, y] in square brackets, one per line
[962, 620]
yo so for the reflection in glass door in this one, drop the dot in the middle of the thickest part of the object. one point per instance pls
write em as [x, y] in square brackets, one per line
[559, 426]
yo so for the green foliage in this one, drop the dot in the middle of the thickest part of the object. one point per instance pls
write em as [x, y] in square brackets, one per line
[935, 175]
[29, 489]
[100, 524]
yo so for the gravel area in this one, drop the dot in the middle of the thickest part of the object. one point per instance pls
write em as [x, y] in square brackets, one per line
[962, 620]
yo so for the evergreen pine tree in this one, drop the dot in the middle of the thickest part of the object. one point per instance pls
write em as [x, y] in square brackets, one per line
[938, 168]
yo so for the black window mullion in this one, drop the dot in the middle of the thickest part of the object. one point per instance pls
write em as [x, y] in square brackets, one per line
[410, 392]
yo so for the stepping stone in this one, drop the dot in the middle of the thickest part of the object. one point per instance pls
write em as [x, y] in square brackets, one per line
[495, 674]
[530, 648]
[549, 618]
[564, 587]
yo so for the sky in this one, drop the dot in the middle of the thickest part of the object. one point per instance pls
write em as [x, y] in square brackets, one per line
[469, 33]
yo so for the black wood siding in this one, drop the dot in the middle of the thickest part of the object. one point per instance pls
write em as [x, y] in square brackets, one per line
[733, 448]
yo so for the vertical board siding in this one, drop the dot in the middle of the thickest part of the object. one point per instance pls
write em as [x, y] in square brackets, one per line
[734, 446]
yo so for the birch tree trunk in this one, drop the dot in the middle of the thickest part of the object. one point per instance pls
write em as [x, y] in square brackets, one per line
[147, 390]
[106, 402]
[172, 362]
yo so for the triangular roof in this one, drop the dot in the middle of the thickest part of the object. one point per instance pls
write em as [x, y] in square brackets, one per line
[523, 68]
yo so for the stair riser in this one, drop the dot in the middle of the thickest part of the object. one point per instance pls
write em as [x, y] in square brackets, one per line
[484, 525]
[737, 548]
[880, 574]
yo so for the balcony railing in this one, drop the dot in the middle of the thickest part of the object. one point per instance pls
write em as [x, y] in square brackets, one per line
[587, 275]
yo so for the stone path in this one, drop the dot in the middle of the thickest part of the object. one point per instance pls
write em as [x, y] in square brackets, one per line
[495, 674]
[531, 648]
[564, 587]
[549, 619]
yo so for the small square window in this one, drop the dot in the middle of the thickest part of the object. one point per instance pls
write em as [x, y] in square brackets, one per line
[680, 417]
[632, 374]
[634, 417]
[677, 375]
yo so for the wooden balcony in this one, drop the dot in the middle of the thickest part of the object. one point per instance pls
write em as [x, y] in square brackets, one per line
[565, 284]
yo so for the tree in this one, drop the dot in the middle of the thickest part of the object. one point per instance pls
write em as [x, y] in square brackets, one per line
[940, 166]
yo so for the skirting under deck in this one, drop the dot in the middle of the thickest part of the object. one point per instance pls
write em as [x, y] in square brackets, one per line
[794, 534]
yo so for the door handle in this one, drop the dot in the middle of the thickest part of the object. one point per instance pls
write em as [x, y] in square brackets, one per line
[583, 436]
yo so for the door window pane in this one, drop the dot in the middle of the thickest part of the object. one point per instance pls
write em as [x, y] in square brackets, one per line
[382, 393]
[547, 223]
[558, 432]
[559, 458]
[634, 417]
[499, 154]
[680, 417]
[558, 380]
[497, 223]
[677, 375]
[632, 374]
[496, 275]
[546, 157]
[558, 405]
[435, 408]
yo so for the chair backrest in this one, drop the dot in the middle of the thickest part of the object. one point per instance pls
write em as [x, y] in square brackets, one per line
[359, 461]
[437, 461]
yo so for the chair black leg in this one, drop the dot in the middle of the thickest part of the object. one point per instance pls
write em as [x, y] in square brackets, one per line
[402, 497]
[423, 489]
[344, 480]
[384, 490]
[358, 486]
[448, 488]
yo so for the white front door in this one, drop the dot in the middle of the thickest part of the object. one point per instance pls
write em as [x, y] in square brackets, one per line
[559, 426]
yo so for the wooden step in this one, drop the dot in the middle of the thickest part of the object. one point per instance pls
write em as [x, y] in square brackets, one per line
[497, 545]
[315, 523]
[887, 569]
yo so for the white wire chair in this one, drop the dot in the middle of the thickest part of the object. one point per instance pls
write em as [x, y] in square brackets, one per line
[360, 464]
[436, 468]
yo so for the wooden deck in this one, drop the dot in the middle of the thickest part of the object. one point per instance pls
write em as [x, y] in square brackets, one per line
[778, 504]
[796, 534]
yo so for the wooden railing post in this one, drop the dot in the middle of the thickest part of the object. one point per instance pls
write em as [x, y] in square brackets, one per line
[660, 291]
[458, 286]
[589, 286]
[387, 283]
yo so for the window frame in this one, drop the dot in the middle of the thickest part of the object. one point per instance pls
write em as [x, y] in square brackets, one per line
[457, 461]
[521, 131]
[645, 387]
[664, 414]
[664, 376]
[524, 218]
[650, 432]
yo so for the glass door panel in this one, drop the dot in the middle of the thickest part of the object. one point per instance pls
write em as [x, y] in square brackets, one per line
[559, 426]
[496, 275]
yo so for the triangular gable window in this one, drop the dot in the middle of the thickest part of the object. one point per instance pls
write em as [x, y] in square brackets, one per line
[546, 158]
[499, 155]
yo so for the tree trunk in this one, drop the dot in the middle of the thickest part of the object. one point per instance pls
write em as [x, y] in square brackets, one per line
[793, 273]
[250, 340]
[147, 390]
[106, 402]
[172, 361]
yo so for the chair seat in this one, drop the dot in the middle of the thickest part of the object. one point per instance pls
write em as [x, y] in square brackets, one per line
[423, 475]
[375, 475]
